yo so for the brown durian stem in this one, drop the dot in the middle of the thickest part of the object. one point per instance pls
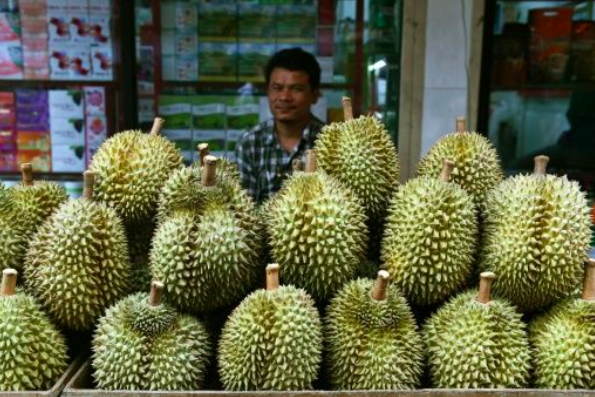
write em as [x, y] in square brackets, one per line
[589, 280]
[447, 167]
[27, 173]
[89, 179]
[9, 282]
[272, 277]
[157, 126]
[310, 160]
[485, 286]
[379, 289]
[461, 125]
[209, 171]
[203, 149]
[347, 109]
[540, 165]
[155, 294]
[297, 165]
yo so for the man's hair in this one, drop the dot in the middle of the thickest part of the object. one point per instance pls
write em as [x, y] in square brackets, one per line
[296, 60]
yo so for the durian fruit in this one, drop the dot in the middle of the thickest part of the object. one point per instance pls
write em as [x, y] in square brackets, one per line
[536, 238]
[142, 343]
[130, 168]
[272, 340]
[224, 165]
[77, 264]
[25, 207]
[474, 341]
[563, 340]
[477, 166]
[207, 245]
[32, 351]
[361, 154]
[430, 238]
[317, 231]
[371, 338]
[139, 238]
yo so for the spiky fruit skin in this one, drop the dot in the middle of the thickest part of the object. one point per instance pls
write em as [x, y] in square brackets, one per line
[563, 342]
[317, 233]
[271, 341]
[372, 345]
[130, 169]
[477, 165]
[207, 246]
[32, 351]
[139, 238]
[472, 345]
[142, 347]
[77, 264]
[24, 209]
[361, 154]
[430, 240]
[536, 239]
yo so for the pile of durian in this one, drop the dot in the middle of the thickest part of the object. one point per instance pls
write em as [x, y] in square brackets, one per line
[343, 280]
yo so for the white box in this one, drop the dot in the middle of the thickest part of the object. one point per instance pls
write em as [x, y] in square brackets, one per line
[67, 158]
[79, 27]
[58, 27]
[80, 62]
[96, 130]
[102, 62]
[67, 131]
[95, 101]
[66, 104]
[59, 63]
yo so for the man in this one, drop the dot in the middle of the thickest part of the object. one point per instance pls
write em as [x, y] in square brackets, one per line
[265, 153]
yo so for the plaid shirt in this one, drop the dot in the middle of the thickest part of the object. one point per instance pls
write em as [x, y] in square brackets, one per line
[263, 163]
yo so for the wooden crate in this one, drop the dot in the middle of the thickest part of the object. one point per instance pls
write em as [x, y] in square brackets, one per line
[81, 386]
[58, 386]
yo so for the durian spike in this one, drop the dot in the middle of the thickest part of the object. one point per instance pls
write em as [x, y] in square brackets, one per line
[156, 292]
[203, 149]
[310, 161]
[157, 126]
[297, 165]
[589, 280]
[347, 109]
[379, 289]
[540, 165]
[27, 173]
[89, 179]
[447, 167]
[209, 171]
[9, 282]
[461, 125]
[272, 277]
[485, 286]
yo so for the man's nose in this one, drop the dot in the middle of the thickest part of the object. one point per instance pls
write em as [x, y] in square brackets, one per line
[285, 94]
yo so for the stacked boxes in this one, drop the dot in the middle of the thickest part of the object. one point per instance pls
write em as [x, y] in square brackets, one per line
[7, 131]
[68, 130]
[33, 129]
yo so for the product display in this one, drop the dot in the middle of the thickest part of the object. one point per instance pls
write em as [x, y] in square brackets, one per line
[430, 238]
[537, 237]
[272, 340]
[142, 343]
[371, 338]
[33, 352]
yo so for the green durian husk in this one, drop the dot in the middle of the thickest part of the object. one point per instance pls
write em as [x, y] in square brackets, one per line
[536, 238]
[471, 345]
[139, 238]
[372, 345]
[77, 264]
[32, 351]
[142, 347]
[271, 341]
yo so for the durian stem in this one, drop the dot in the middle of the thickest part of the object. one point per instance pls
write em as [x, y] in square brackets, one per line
[27, 173]
[9, 282]
[589, 280]
[157, 126]
[209, 171]
[461, 124]
[272, 277]
[156, 292]
[297, 165]
[89, 179]
[347, 109]
[310, 160]
[540, 165]
[379, 289]
[203, 149]
[485, 286]
[447, 167]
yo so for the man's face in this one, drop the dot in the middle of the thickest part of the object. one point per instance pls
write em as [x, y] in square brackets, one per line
[290, 95]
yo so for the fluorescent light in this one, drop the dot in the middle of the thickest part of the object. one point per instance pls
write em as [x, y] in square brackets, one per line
[377, 65]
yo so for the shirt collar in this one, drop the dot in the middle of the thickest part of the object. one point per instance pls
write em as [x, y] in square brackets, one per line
[270, 139]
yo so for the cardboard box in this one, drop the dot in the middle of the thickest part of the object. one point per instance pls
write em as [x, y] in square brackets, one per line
[10, 27]
[94, 101]
[257, 22]
[11, 61]
[102, 62]
[252, 58]
[217, 61]
[8, 161]
[96, 130]
[67, 131]
[182, 139]
[33, 140]
[217, 22]
[99, 29]
[80, 62]
[79, 27]
[66, 103]
[68, 158]
[177, 112]
[59, 63]
[58, 26]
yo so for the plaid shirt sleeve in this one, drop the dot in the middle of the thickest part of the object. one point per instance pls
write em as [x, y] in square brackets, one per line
[244, 152]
